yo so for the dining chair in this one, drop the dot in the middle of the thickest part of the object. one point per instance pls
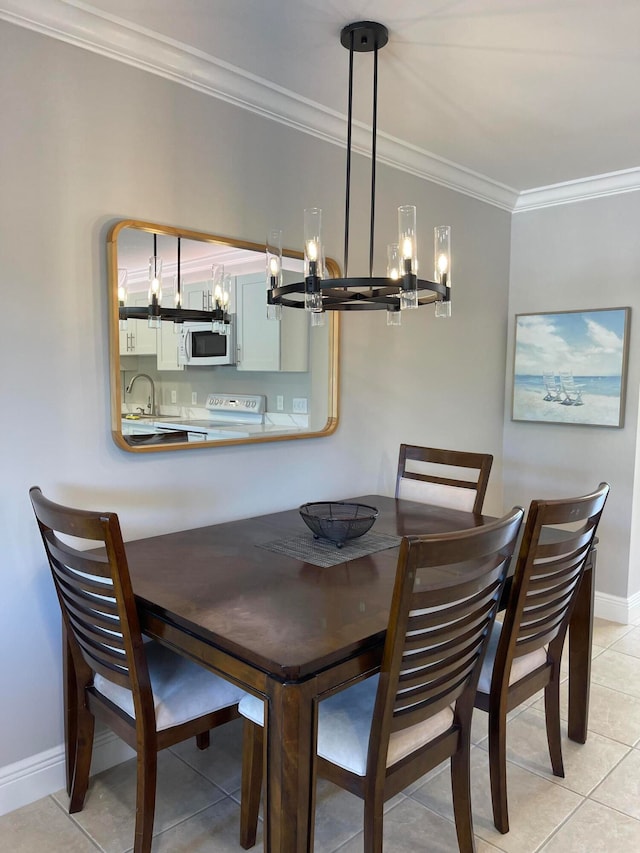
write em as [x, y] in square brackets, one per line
[425, 474]
[525, 649]
[379, 734]
[148, 695]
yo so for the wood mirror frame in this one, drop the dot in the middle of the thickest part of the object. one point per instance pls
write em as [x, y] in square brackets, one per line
[322, 396]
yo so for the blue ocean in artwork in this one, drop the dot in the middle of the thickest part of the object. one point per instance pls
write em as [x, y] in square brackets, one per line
[606, 386]
[580, 400]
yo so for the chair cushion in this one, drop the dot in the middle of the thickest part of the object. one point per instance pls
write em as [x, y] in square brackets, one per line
[182, 690]
[454, 497]
[344, 725]
[520, 667]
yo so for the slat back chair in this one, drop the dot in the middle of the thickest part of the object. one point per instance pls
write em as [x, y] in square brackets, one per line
[127, 683]
[525, 651]
[425, 475]
[378, 735]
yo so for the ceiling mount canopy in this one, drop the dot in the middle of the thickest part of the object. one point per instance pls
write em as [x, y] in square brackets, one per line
[401, 288]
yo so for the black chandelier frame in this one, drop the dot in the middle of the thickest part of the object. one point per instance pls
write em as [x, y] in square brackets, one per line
[369, 292]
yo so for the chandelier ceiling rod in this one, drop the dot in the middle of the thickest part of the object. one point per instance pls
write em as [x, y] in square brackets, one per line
[364, 37]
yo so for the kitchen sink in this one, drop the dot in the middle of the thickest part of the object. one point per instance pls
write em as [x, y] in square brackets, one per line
[134, 416]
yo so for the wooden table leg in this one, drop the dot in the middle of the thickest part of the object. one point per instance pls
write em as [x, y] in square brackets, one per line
[580, 640]
[290, 753]
[70, 709]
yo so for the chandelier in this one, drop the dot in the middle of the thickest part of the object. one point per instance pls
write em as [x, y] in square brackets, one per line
[215, 310]
[400, 289]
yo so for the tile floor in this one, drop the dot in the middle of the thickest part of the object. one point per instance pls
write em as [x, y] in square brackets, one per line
[595, 808]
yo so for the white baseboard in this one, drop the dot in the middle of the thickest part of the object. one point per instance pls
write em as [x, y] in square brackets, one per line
[43, 774]
[617, 609]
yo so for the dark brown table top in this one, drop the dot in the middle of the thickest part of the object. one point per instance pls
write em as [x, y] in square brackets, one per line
[284, 616]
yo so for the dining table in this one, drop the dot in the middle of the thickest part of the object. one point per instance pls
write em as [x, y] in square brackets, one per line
[251, 600]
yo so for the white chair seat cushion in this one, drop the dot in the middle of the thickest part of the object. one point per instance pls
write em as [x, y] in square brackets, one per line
[520, 667]
[182, 690]
[439, 494]
[344, 725]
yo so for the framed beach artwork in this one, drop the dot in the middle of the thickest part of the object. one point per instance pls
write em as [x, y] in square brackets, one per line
[571, 367]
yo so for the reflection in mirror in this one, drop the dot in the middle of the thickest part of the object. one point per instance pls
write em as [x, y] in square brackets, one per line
[228, 375]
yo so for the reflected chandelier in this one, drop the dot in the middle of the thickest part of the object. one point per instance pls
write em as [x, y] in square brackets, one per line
[401, 288]
[215, 301]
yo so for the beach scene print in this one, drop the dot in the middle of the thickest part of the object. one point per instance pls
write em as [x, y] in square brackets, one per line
[570, 367]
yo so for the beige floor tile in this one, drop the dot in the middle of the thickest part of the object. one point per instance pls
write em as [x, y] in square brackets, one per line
[585, 765]
[611, 713]
[594, 828]
[606, 633]
[42, 826]
[537, 806]
[629, 644]
[214, 829]
[621, 789]
[109, 811]
[222, 762]
[409, 827]
[617, 671]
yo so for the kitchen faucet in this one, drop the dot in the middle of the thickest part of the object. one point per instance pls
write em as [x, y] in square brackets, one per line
[152, 399]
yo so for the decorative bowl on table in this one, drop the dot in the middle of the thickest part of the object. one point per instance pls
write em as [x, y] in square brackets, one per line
[338, 521]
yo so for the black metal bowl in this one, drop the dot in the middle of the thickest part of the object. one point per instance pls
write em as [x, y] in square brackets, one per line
[338, 521]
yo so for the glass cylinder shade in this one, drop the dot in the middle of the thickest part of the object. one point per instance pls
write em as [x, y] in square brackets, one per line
[407, 238]
[274, 271]
[394, 317]
[155, 279]
[313, 252]
[155, 290]
[442, 265]
[393, 261]
[123, 293]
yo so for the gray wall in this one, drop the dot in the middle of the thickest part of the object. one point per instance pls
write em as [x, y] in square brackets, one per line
[579, 256]
[86, 141]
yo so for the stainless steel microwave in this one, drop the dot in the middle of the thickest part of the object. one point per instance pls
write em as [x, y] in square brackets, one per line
[200, 346]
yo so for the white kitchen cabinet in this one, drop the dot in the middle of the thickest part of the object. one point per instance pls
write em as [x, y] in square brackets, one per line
[268, 345]
[194, 295]
[138, 338]
[168, 341]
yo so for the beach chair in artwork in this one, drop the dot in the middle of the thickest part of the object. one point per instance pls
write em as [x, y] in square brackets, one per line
[572, 391]
[552, 386]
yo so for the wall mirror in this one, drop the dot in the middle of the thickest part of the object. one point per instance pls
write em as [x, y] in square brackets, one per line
[180, 386]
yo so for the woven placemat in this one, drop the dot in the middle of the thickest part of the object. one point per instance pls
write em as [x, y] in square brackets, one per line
[325, 554]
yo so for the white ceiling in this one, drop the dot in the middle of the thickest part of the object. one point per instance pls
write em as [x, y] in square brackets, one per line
[521, 93]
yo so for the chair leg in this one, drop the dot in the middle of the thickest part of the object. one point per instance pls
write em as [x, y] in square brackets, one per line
[84, 729]
[461, 791]
[252, 772]
[147, 771]
[202, 740]
[552, 715]
[373, 824]
[498, 769]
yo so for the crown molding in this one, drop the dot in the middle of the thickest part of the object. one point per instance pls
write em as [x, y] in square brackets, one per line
[583, 189]
[83, 26]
